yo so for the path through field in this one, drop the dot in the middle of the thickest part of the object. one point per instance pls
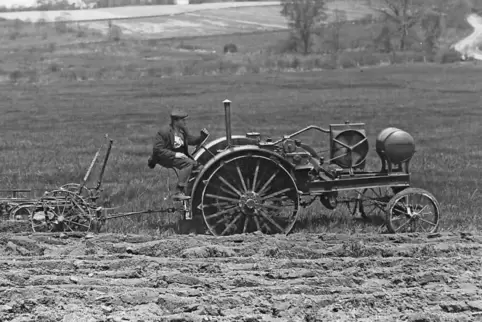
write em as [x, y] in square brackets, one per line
[469, 46]
[241, 278]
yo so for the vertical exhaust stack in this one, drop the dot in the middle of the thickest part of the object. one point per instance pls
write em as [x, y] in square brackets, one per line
[227, 120]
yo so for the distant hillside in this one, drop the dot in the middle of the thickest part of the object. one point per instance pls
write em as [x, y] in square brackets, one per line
[47, 5]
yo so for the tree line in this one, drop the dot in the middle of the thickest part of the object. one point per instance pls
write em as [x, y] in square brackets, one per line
[308, 18]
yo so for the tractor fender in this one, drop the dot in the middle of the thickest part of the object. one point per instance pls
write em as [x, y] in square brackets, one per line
[237, 150]
[222, 143]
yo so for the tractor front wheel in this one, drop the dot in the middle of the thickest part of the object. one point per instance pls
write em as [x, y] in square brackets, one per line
[413, 210]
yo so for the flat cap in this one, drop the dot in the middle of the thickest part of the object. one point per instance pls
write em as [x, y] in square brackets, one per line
[178, 113]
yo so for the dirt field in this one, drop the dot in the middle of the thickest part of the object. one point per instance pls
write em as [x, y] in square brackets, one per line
[314, 277]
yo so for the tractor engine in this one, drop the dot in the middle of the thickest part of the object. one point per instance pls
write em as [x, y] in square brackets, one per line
[295, 153]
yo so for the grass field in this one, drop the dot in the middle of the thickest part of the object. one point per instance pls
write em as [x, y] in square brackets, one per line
[183, 21]
[49, 134]
[65, 86]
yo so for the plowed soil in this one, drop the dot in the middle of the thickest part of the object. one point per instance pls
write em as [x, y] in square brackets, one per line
[301, 277]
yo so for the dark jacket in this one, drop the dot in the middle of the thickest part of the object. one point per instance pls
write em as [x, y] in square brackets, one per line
[163, 153]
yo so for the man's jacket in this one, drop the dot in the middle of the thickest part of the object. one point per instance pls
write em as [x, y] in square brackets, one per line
[162, 151]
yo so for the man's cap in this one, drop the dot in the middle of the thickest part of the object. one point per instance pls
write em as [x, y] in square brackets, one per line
[178, 113]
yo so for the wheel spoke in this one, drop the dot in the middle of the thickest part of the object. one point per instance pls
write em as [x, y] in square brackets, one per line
[261, 191]
[221, 198]
[255, 176]
[223, 212]
[271, 207]
[231, 224]
[230, 186]
[246, 220]
[421, 210]
[218, 204]
[426, 221]
[268, 218]
[241, 178]
[256, 220]
[276, 194]
[405, 224]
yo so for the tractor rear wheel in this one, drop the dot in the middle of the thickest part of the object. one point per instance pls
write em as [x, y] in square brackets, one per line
[249, 193]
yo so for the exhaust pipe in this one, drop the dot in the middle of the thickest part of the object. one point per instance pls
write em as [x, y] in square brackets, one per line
[227, 120]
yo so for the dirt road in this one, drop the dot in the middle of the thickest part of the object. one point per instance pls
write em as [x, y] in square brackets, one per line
[317, 277]
[468, 47]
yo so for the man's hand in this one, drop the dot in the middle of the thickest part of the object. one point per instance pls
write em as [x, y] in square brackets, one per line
[180, 155]
[204, 133]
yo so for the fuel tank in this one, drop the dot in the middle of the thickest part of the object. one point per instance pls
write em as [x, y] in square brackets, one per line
[395, 145]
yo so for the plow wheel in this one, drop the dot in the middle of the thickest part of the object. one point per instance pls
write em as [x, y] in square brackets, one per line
[69, 214]
[413, 210]
[250, 193]
[22, 212]
[84, 192]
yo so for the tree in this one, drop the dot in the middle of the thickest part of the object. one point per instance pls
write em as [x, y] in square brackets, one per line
[432, 26]
[403, 13]
[304, 16]
[334, 29]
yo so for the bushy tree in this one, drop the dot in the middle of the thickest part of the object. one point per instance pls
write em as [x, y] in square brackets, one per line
[304, 16]
[403, 13]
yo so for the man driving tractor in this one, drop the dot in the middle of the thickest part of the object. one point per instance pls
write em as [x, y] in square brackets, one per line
[170, 149]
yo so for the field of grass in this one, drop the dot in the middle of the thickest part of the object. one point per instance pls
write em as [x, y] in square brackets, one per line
[124, 11]
[167, 21]
[41, 53]
[50, 133]
[64, 86]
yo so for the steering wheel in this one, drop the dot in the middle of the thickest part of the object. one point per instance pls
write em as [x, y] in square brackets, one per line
[200, 145]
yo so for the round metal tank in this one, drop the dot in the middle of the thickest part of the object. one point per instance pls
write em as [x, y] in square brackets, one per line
[395, 145]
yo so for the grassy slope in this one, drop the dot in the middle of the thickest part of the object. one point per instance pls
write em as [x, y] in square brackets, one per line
[50, 134]
[65, 119]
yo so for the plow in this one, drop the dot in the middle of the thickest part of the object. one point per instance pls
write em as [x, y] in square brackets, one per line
[72, 207]
[250, 183]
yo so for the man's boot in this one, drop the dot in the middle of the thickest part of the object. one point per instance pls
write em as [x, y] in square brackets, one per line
[179, 194]
[150, 163]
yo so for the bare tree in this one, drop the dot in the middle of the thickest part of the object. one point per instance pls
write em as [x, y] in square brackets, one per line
[304, 17]
[403, 13]
[334, 29]
[432, 26]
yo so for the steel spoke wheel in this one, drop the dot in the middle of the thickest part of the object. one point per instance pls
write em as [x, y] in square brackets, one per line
[84, 192]
[413, 210]
[77, 213]
[250, 193]
[45, 217]
[372, 202]
[22, 212]
[62, 213]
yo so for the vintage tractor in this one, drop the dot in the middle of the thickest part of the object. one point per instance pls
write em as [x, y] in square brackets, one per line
[248, 184]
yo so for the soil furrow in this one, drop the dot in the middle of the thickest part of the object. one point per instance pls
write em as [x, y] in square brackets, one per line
[241, 278]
